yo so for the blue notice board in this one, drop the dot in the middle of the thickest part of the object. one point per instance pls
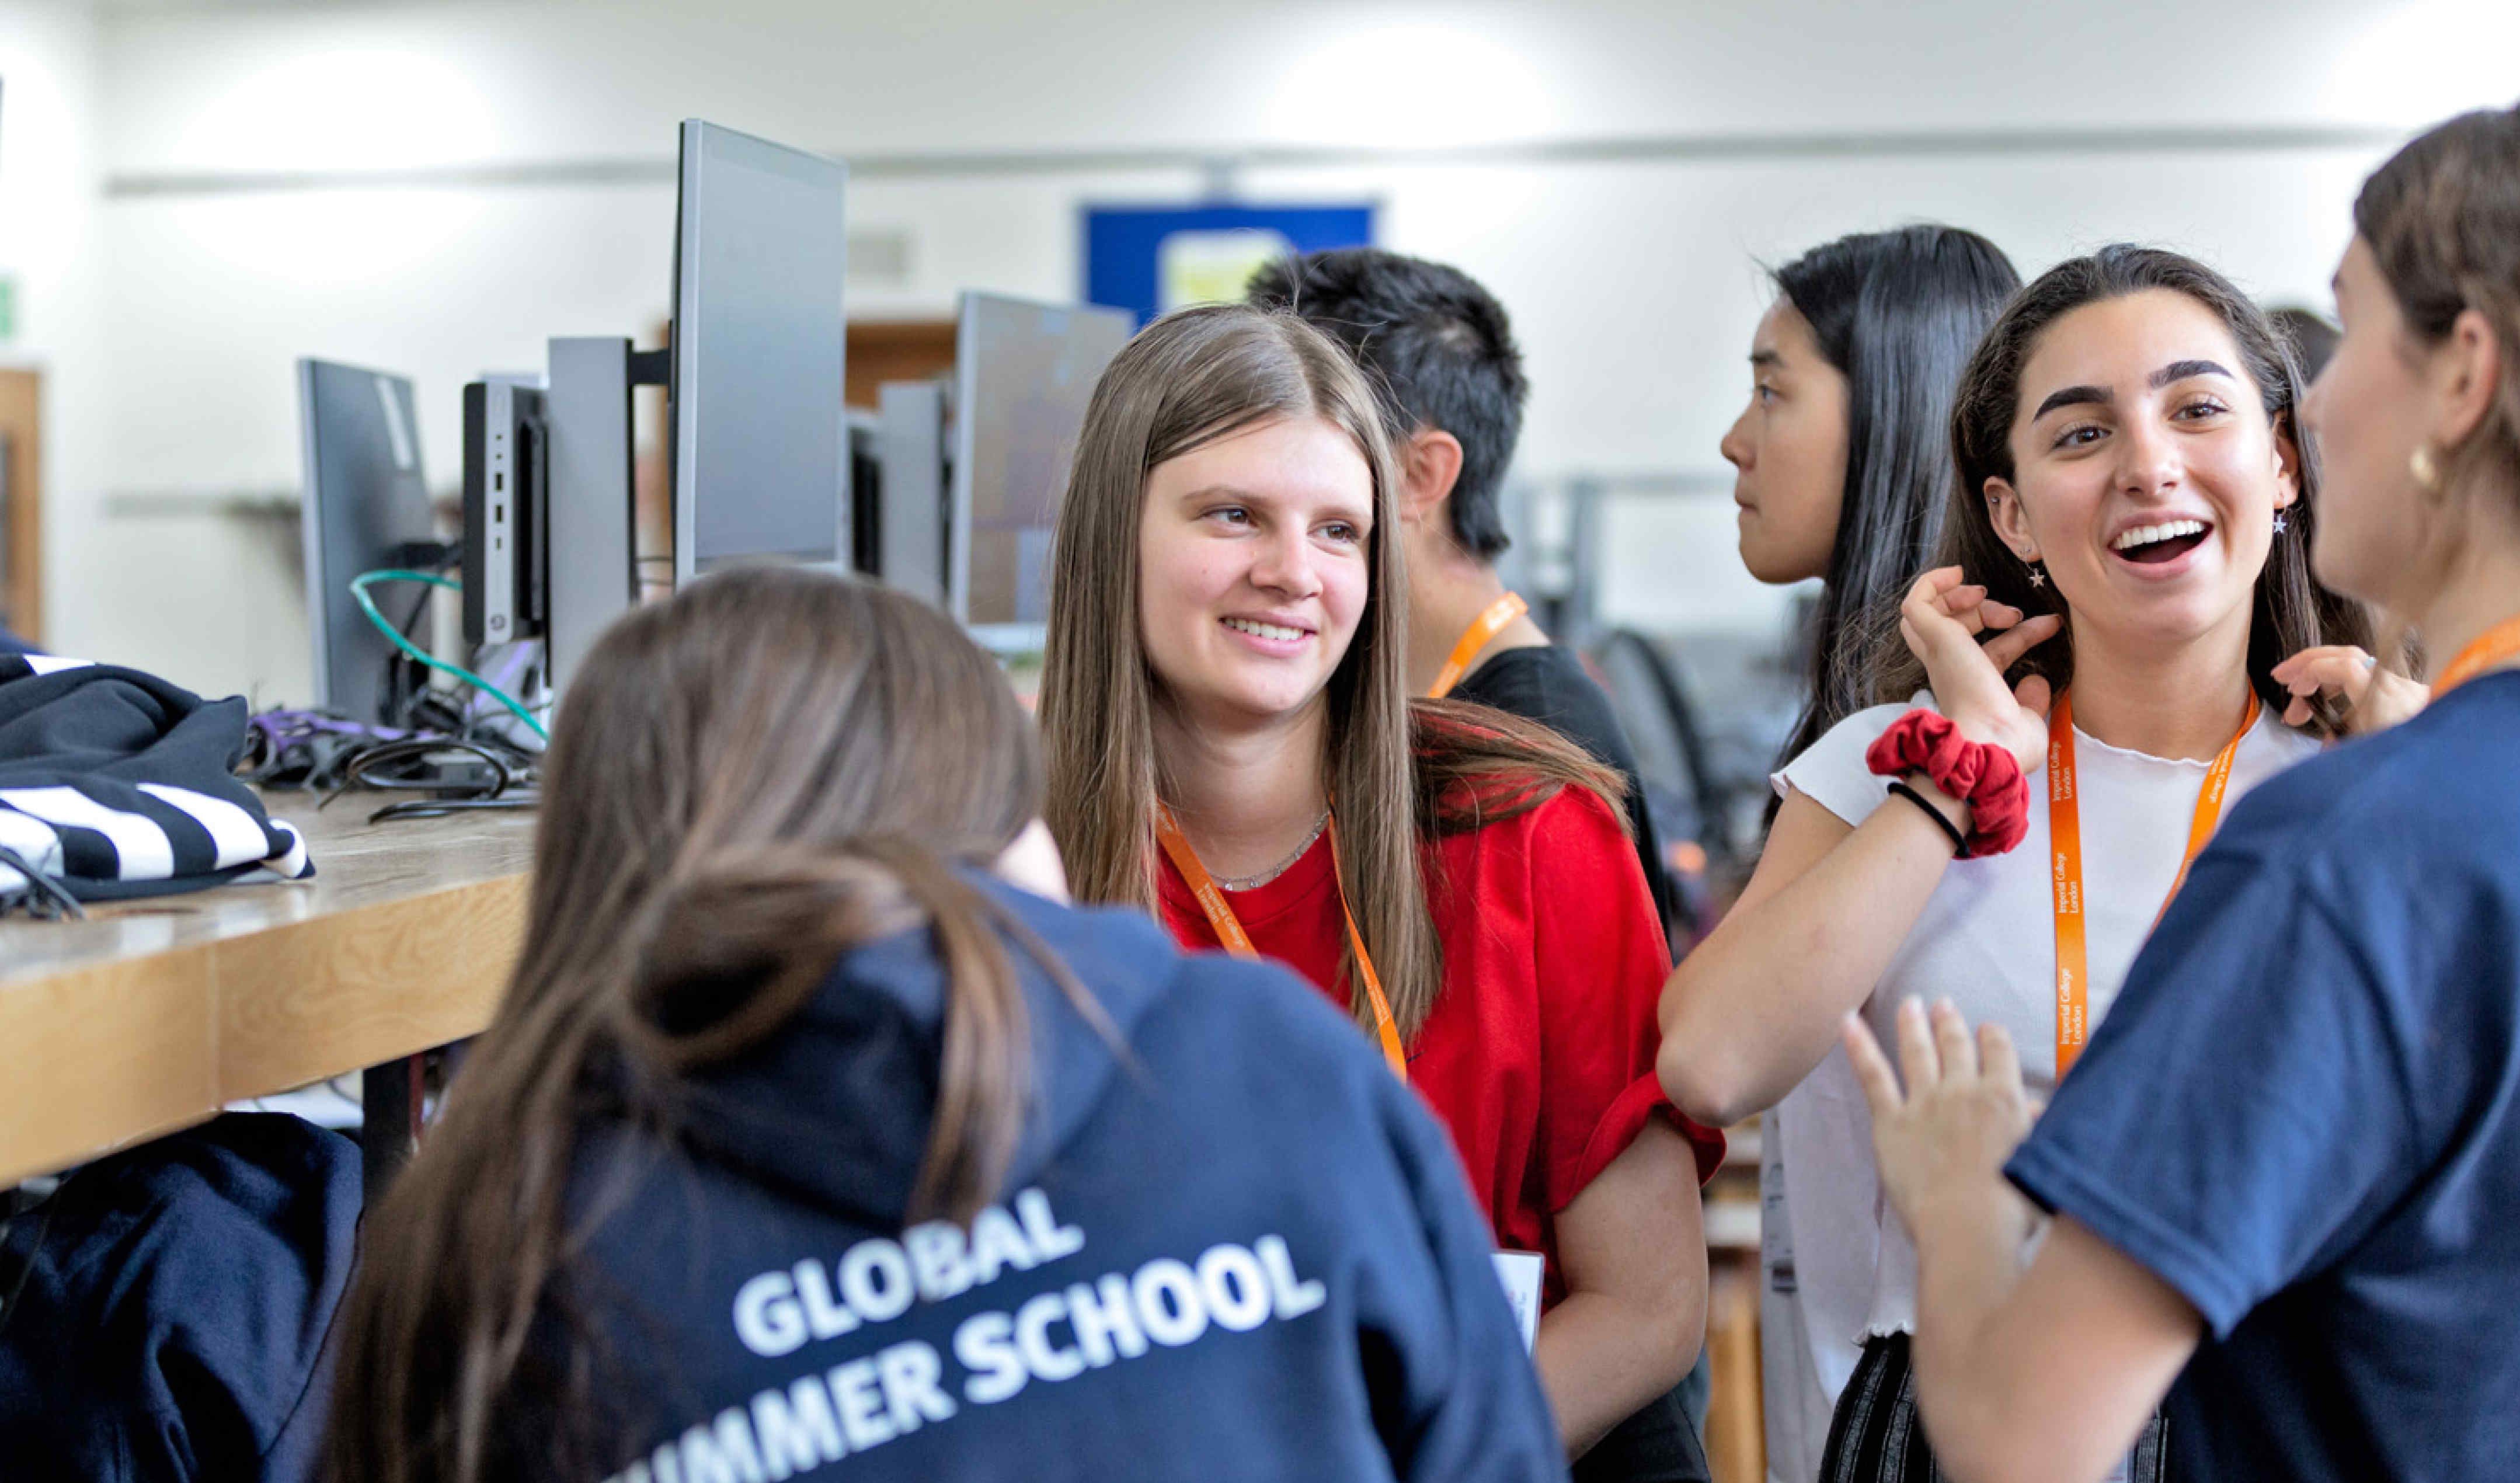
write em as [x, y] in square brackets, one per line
[1149, 259]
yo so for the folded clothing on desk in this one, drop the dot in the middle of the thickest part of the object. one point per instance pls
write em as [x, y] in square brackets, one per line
[114, 784]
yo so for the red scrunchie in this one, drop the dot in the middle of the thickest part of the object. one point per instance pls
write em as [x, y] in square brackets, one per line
[1986, 776]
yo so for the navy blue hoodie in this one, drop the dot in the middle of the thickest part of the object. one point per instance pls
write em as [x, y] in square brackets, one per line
[1243, 1251]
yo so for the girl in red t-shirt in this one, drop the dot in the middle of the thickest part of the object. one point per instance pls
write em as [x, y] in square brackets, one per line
[1230, 742]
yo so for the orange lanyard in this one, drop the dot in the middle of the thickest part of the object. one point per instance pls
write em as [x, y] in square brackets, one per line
[2065, 839]
[2491, 648]
[1481, 632]
[1229, 928]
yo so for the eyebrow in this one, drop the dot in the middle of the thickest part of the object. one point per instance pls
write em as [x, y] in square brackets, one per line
[2182, 370]
[2100, 396]
[1362, 517]
[1767, 358]
[2072, 396]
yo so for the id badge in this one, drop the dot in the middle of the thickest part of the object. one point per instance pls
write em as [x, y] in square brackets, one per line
[1520, 1273]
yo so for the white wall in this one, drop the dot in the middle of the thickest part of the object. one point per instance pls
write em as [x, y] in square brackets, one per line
[1632, 281]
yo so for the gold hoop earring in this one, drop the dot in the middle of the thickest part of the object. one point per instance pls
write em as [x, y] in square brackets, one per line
[2421, 467]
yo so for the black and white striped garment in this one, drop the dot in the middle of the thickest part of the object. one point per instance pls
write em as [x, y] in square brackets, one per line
[116, 783]
[1878, 1436]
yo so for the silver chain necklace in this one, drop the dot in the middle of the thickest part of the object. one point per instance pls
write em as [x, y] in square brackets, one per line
[1254, 882]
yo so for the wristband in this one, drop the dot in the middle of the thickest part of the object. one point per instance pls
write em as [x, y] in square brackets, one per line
[1987, 778]
[1960, 841]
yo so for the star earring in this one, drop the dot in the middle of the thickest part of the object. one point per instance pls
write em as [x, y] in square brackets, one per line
[2038, 576]
[2280, 526]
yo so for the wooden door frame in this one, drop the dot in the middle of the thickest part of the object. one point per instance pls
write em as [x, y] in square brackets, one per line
[21, 422]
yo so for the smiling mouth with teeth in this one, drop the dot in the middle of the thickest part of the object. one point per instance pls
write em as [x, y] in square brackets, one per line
[1258, 629]
[2150, 544]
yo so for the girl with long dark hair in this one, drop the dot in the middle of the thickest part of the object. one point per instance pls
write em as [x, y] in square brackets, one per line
[2128, 534]
[1232, 745]
[814, 1126]
[1843, 454]
[1844, 465]
[2282, 1176]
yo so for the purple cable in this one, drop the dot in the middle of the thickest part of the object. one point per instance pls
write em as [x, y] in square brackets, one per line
[279, 728]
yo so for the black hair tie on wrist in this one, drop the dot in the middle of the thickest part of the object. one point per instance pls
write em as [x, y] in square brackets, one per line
[1942, 820]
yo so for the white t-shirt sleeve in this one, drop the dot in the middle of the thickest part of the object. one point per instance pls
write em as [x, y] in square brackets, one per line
[1832, 772]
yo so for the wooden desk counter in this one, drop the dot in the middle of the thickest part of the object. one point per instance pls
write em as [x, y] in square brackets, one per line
[152, 1015]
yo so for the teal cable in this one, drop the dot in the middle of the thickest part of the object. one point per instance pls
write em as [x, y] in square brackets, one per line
[359, 591]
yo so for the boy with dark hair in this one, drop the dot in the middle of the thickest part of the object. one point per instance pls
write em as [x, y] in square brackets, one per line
[1441, 355]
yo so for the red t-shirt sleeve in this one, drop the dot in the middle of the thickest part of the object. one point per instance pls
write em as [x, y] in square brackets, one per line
[1600, 960]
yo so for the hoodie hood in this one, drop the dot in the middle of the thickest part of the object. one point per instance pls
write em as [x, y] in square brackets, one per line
[835, 1106]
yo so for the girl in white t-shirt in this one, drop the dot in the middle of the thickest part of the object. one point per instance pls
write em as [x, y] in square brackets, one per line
[1841, 458]
[2128, 535]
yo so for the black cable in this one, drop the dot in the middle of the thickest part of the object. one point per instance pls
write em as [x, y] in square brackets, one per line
[48, 900]
[439, 808]
[408, 684]
[373, 767]
[451, 554]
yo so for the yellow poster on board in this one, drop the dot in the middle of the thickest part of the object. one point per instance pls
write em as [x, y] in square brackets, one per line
[1199, 267]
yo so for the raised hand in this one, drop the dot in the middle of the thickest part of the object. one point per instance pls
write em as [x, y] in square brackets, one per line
[2372, 698]
[1942, 1144]
[1968, 641]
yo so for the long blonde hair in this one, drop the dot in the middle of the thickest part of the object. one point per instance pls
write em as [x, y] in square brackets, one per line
[1397, 773]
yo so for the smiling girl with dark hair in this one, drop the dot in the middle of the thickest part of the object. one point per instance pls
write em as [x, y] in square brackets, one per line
[2130, 517]
[2283, 1176]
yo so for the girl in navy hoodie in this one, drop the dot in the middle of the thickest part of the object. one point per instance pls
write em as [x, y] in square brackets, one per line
[816, 1129]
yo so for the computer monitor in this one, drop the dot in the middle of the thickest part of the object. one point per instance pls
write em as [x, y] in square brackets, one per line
[759, 442]
[365, 505]
[1023, 373]
[866, 490]
[910, 552]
